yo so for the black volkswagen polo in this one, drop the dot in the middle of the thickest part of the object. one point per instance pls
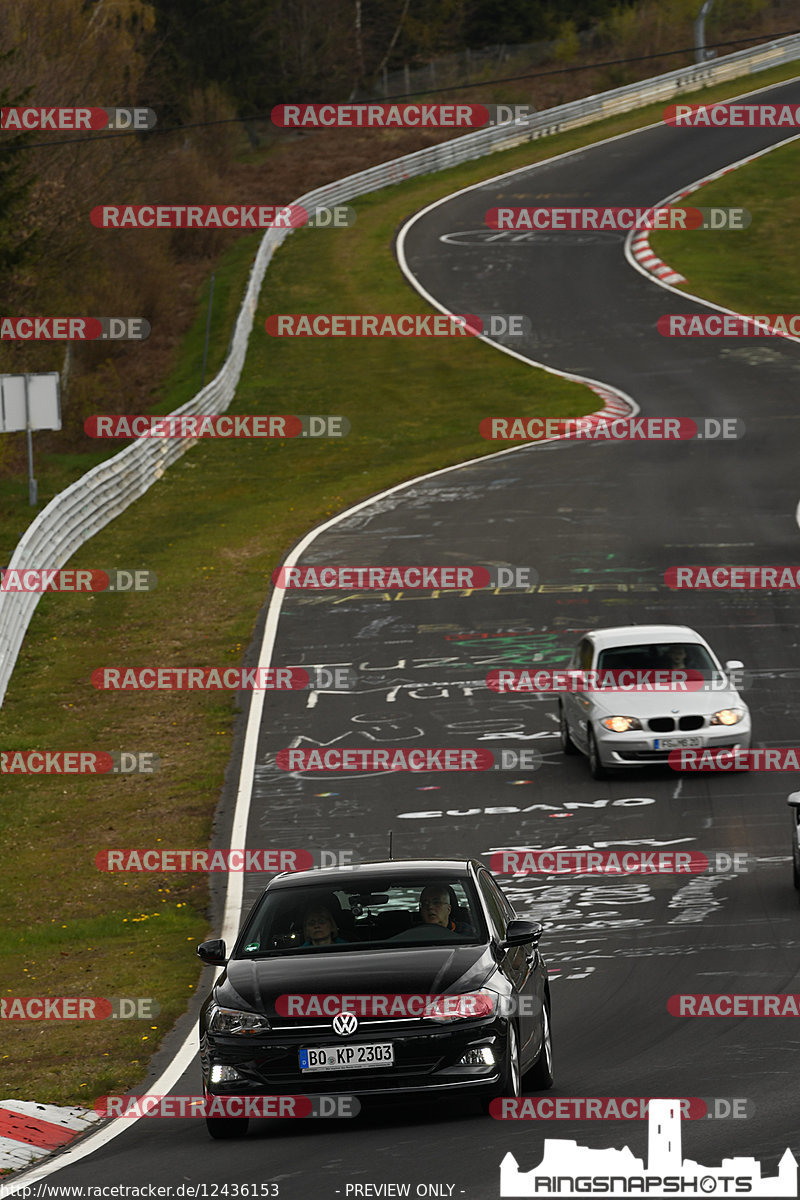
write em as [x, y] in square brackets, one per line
[382, 979]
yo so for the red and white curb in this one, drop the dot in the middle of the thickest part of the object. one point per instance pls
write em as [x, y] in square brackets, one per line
[640, 248]
[615, 406]
[637, 245]
[28, 1131]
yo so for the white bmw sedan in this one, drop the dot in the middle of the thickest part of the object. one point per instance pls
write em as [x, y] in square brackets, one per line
[626, 717]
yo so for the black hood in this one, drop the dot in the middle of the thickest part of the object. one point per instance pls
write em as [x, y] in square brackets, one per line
[254, 984]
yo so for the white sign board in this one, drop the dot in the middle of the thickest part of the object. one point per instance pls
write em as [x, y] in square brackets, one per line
[43, 402]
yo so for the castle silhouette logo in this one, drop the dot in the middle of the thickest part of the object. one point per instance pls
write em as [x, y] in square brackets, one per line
[568, 1169]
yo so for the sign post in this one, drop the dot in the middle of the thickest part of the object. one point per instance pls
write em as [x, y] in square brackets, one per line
[30, 402]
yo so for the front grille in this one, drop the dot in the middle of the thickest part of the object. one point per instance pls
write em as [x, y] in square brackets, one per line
[694, 722]
[661, 724]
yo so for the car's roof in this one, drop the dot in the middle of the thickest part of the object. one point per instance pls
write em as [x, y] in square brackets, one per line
[397, 868]
[635, 635]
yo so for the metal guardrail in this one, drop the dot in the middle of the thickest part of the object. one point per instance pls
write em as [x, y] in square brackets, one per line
[88, 504]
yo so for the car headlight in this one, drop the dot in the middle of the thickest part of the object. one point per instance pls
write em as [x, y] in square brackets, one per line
[621, 724]
[233, 1021]
[728, 716]
[468, 1006]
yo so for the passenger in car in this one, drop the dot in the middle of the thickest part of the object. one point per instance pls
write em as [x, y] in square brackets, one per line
[319, 927]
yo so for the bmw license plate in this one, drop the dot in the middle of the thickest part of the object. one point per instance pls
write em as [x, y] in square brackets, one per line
[340, 1058]
[677, 743]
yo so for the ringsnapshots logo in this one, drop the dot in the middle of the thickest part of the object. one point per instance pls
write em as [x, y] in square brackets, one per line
[597, 428]
[54, 579]
[75, 119]
[616, 219]
[78, 1008]
[567, 1169]
[78, 762]
[331, 577]
[73, 329]
[220, 426]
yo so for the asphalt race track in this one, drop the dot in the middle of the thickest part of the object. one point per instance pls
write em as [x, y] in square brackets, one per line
[600, 523]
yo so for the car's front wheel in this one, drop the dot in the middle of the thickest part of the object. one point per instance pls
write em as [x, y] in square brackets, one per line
[598, 771]
[540, 1076]
[510, 1081]
[567, 744]
[223, 1128]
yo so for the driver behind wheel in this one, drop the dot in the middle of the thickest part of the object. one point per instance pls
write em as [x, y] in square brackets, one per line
[436, 907]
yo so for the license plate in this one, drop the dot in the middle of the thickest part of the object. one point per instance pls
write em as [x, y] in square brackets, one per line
[677, 743]
[341, 1058]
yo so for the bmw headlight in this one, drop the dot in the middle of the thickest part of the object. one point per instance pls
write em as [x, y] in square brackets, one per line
[728, 716]
[233, 1021]
[621, 724]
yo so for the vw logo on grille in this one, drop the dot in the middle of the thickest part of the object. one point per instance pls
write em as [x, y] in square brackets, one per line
[345, 1023]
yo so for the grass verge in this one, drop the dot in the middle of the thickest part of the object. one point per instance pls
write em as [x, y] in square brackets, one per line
[749, 270]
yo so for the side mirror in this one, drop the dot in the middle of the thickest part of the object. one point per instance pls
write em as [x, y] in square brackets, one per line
[213, 952]
[793, 800]
[521, 932]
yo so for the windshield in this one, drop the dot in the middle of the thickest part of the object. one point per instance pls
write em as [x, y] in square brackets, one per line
[660, 656]
[328, 918]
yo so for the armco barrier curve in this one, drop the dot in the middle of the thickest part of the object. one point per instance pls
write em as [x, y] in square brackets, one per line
[88, 504]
